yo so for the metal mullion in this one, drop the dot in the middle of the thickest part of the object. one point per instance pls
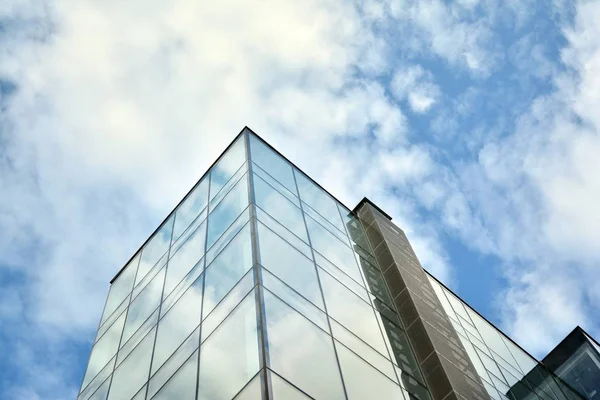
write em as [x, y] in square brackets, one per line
[124, 323]
[320, 287]
[261, 321]
[162, 293]
[209, 176]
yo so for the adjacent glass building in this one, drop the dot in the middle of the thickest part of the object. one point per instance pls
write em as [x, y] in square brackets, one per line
[261, 285]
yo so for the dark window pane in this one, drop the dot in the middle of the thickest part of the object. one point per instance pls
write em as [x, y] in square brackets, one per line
[289, 265]
[272, 163]
[227, 211]
[229, 357]
[301, 352]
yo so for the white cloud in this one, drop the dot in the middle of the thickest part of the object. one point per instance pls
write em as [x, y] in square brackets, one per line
[416, 85]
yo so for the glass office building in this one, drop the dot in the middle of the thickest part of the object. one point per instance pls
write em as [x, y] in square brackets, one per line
[261, 285]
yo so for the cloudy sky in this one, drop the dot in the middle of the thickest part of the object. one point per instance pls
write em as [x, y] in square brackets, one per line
[474, 123]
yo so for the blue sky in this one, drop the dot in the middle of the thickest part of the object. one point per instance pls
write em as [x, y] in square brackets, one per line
[474, 123]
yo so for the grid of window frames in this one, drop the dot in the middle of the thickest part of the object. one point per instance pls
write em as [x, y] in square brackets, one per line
[259, 281]
[506, 370]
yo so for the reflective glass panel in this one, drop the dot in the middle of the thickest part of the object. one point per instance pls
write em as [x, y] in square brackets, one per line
[293, 299]
[191, 208]
[276, 227]
[366, 352]
[282, 390]
[229, 357]
[289, 265]
[353, 313]
[120, 288]
[227, 211]
[334, 250]
[104, 349]
[320, 201]
[279, 208]
[185, 258]
[132, 374]
[227, 166]
[174, 362]
[272, 163]
[102, 391]
[182, 386]
[227, 269]
[252, 391]
[230, 301]
[155, 249]
[293, 197]
[144, 305]
[96, 382]
[135, 339]
[363, 381]
[178, 323]
[301, 352]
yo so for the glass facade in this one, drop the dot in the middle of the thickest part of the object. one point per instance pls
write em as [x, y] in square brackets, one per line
[260, 285]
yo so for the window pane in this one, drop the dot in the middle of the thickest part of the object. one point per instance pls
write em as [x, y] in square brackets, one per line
[120, 288]
[279, 208]
[363, 381]
[174, 362]
[334, 250]
[104, 350]
[282, 390]
[276, 227]
[320, 201]
[301, 352]
[227, 166]
[227, 211]
[226, 305]
[154, 249]
[177, 324]
[252, 391]
[185, 258]
[96, 382]
[293, 197]
[293, 299]
[132, 374]
[353, 313]
[337, 273]
[401, 350]
[363, 350]
[136, 338]
[101, 393]
[272, 163]
[182, 386]
[289, 265]
[143, 305]
[229, 358]
[227, 269]
[191, 208]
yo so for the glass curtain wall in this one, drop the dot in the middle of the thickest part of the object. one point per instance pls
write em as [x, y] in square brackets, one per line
[506, 370]
[258, 285]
